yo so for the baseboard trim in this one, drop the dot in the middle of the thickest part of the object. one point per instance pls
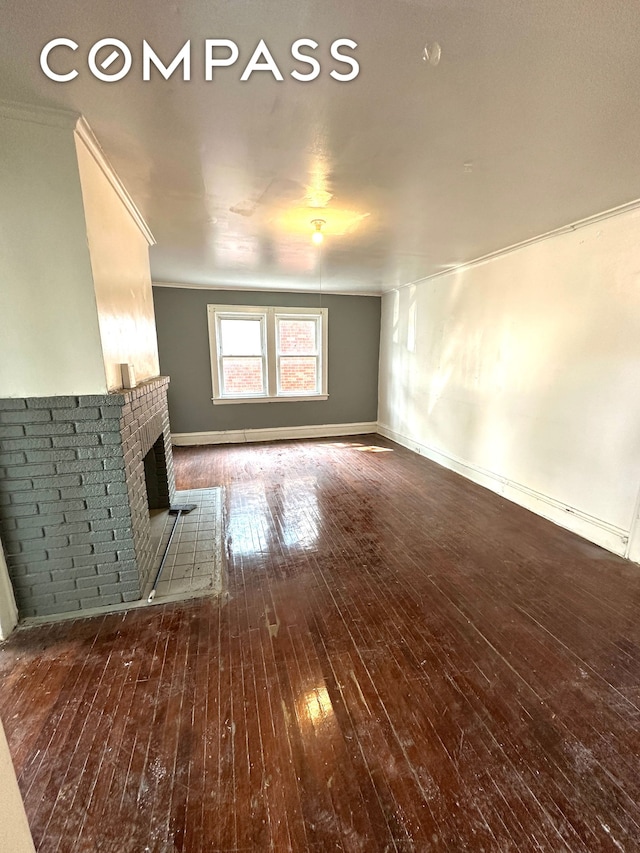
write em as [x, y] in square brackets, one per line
[571, 518]
[246, 436]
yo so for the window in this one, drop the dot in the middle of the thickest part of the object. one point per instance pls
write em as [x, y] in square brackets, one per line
[242, 355]
[267, 354]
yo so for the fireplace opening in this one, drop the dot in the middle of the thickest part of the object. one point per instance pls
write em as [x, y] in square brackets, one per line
[155, 476]
[157, 485]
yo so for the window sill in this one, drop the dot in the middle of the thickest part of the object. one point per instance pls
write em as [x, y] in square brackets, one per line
[231, 401]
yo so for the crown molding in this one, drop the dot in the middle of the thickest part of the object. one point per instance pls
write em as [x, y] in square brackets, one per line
[67, 119]
[85, 134]
[254, 288]
[628, 207]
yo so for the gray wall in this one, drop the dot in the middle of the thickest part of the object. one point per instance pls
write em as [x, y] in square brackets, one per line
[183, 343]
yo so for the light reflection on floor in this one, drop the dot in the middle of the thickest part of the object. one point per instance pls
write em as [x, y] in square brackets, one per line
[292, 518]
[363, 448]
[315, 706]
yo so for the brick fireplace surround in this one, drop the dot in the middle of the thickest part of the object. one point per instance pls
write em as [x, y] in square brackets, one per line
[74, 511]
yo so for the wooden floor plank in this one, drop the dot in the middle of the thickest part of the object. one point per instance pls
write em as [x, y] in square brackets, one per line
[401, 661]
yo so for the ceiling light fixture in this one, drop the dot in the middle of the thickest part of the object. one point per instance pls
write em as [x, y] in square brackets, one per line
[432, 53]
[317, 235]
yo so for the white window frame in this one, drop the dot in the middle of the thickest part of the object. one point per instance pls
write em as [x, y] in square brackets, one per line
[297, 314]
[270, 355]
[217, 375]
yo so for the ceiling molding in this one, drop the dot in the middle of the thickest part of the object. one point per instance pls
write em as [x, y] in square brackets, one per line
[38, 115]
[257, 289]
[628, 207]
[85, 134]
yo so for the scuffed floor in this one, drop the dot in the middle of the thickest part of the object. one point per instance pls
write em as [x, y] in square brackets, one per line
[404, 662]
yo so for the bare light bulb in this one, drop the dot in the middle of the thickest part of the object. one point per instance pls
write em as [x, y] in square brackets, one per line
[432, 53]
[317, 235]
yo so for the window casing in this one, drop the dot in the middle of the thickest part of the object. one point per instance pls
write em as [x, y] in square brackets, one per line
[263, 354]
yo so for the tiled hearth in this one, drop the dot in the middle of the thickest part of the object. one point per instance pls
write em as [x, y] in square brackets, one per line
[74, 512]
[195, 559]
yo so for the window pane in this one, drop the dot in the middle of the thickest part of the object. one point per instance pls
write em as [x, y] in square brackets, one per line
[297, 336]
[241, 337]
[242, 376]
[298, 375]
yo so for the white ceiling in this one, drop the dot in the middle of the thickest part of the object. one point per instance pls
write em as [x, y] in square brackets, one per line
[542, 99]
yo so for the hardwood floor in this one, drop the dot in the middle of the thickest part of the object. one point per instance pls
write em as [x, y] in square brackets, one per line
[404, 662]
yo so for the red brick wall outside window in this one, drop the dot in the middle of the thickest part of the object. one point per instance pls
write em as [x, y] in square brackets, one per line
[242, 375]
[255, 348]
[298, 361]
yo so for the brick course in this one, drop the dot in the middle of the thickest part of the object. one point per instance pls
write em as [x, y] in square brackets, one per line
[74, 516]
